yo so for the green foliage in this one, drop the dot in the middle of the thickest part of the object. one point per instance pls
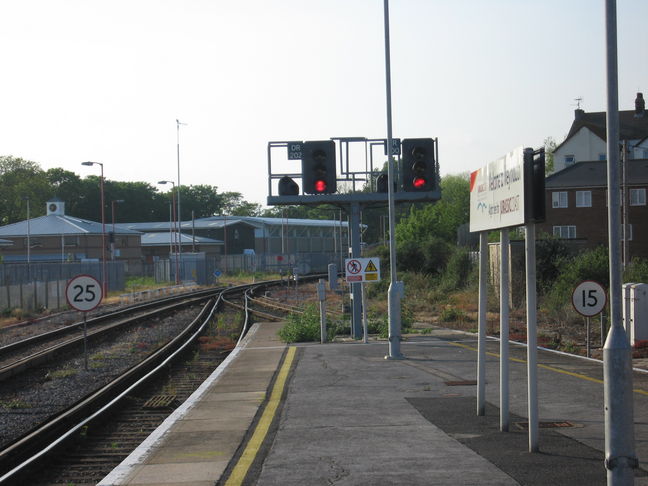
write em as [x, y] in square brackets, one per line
[429, 255]
[550, 146]
[304, 327]
[637, 271]
[588, 265]
[23, 179]
[452, 314]
[551, 254]
[441, 219]
[458, 270]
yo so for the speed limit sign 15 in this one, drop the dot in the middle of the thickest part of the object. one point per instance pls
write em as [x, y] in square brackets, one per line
[83, 293]
[589, 298]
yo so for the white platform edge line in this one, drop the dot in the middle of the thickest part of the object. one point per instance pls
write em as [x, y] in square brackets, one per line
[136, 458]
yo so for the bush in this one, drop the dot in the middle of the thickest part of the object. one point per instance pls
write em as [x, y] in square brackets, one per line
[458, 271]
[589, 265]
[428, 256]
[305, 327]
[637, 271]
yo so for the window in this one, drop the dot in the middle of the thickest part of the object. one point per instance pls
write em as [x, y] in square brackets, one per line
[569, 160]
[559, 199]
[565, 232]
[583, 199]
[602, 156]
[637, 197]
[627, 230]
[71, 240]
[645, 153]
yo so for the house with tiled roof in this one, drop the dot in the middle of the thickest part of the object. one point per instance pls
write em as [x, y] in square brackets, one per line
[577, 209]
[587, 136]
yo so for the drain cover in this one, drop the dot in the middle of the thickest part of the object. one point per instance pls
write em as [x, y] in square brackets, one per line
[545, 425]
[160, 401]
[461, 383]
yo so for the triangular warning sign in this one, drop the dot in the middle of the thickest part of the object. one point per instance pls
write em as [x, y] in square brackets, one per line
[371, 267]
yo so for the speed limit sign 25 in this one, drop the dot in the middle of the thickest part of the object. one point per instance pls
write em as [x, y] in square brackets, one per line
[83, 293]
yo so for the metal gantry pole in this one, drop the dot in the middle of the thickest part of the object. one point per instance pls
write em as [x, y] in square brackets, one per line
[620, 458]
[395, 287]
[504, 330]
[481, 324]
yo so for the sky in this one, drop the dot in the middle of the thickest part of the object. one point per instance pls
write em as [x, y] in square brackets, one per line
[106, 81]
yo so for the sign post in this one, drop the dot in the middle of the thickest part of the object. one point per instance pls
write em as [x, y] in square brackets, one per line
[362, 270]
[589, 299]
[84, 293]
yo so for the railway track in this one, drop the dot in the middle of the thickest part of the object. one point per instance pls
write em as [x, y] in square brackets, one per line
[98, 449]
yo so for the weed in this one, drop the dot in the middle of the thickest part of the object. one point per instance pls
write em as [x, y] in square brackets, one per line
[58, 374]
[14, 404]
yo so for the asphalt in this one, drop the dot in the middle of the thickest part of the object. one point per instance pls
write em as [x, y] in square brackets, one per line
[340, 413]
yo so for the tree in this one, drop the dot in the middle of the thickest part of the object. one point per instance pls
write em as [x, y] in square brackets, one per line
[442, 218]
[549, 146]
[21, 180]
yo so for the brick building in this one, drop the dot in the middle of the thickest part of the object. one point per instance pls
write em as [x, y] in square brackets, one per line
[577, 211]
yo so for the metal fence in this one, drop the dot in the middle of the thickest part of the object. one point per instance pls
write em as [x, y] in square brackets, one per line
[42, 285]
[38, 286]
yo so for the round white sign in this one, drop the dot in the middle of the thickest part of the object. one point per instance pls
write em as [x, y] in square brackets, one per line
[83, 293]
[589, 298]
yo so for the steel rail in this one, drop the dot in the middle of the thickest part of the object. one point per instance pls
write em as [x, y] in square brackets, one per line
[51, 352]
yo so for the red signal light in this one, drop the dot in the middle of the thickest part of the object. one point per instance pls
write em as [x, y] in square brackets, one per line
[320, 185]
[419, 182]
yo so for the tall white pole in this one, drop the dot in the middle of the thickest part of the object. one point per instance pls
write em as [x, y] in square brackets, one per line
[504, 330]
[395, 287]
[532, 337]
[620, 458]
[481, 324]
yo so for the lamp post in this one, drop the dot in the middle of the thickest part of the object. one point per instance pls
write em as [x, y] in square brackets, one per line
[172, 229]
[104, 277]
[112, 213]
[26, 198]
[178, 123]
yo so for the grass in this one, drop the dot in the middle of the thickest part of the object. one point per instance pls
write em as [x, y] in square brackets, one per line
[64, 373]
[14, 404]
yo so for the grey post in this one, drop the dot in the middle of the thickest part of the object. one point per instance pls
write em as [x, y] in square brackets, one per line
[532, 337]
[395, 287]
[620, 459]
[504, 330]
[481, 324]
[356, 291]
[321, 296]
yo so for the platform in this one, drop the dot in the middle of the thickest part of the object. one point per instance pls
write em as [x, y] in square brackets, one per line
[340, 413]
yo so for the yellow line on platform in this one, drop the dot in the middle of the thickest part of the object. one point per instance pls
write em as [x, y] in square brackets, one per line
[263, 426]
[547, 367]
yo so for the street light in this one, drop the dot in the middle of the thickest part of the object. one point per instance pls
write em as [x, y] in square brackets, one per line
[26, 198]
[104, 278]
[178, 123]
[172, 228]
[112, 240]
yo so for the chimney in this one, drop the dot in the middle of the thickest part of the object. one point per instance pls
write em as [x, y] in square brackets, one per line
[578, 114]
[640, 105]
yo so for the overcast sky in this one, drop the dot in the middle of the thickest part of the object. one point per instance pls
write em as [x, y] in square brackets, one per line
[106, 80]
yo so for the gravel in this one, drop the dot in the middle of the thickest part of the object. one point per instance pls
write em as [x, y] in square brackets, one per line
[32, 397]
